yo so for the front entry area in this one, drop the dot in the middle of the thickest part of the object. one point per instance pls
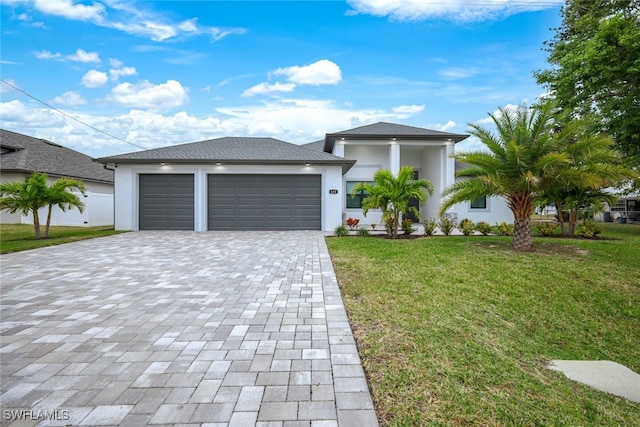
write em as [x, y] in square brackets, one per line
[264, 202]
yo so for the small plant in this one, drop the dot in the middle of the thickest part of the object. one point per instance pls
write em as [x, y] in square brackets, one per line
[466, 227]
[589, 229]
[547, 229]
[446, 225]
[407, 227]
[352, 222]
[362, 232]
[341, 231]
[430, 225]
[504, 229]
[373, 227]
[484, 228]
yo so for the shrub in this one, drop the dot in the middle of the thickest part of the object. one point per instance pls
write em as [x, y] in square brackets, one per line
[547, 228]
[589, 229]
[430, 225]
[504, 229]
[407, 226]
[341, 231]
[362, 232]
[352, 222]
[484, 228]
[466, 227]
[446, 225]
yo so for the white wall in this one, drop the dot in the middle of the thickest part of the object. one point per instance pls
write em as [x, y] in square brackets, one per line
[126, 189]
[497, 211]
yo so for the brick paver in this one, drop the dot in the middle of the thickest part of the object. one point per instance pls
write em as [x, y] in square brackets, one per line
[168, 328]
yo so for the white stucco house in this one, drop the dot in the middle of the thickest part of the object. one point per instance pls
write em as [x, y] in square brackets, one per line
[21, 155]
[242, 183]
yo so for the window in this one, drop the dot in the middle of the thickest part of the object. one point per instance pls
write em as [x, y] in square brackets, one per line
[479, 203]
[355, 202]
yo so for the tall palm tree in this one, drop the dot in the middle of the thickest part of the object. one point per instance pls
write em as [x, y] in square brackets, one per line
[392, 194]
[521, 159]
[33, 194]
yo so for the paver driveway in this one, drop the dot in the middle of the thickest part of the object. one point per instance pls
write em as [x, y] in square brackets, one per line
[216, 328]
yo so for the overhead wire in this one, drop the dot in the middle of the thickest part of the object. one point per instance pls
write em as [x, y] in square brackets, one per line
[69, 115]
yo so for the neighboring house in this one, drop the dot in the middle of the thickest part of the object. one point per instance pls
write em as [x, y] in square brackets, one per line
[21, 155]
[242, 183]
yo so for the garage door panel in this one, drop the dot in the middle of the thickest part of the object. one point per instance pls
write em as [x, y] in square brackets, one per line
[166, 202]
[264, 202]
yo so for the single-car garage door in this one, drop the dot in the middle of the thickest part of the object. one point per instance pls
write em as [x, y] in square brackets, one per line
[166, 202]
[264, 202]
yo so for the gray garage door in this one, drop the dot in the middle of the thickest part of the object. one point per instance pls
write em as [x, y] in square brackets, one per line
[264, 202]
[166, 202]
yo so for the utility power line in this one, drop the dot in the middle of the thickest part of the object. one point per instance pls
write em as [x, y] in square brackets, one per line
[70, 116]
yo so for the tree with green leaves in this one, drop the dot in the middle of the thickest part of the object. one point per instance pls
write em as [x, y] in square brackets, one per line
[392, 195]
[34, 193]
[595, 67]
[521, 159]
[580, 184]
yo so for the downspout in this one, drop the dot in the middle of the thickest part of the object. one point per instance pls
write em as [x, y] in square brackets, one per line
[106, 166]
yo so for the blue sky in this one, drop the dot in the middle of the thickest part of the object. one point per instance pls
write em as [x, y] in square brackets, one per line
[156, 73]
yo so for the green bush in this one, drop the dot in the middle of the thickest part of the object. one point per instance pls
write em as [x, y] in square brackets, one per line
[446, 225]
[466, 227]
[484, 228]
[504, 229]
[407, 226]
[362, 232]
[430, 225]
[589, 229]
[341, 231]
[547, 228]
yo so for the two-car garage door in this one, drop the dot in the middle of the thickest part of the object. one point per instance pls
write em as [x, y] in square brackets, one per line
[234, 202]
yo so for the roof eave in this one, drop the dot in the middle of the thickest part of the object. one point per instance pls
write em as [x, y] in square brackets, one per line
[330, 139]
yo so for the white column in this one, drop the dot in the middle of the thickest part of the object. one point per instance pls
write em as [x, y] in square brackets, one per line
[450, 164]
[338, 149]
[394, 158]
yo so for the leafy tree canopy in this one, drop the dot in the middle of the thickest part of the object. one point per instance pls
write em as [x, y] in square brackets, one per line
[595, 67]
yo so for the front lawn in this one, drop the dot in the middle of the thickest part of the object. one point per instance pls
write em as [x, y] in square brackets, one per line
[20, 237]
[458, 330]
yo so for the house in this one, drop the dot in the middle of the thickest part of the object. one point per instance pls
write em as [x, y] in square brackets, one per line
[242, 183]
[21, 155]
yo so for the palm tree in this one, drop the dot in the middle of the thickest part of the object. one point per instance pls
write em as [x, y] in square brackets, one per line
[33, 194]
[58, 194]
[521, 159]
[392, 195]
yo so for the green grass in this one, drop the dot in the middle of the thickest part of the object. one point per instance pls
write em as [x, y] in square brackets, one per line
[459, 330]
[21, 237]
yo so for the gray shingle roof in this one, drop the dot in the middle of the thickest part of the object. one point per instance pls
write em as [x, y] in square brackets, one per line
[389, 130]
[22, 153]
[315, 145]
[236, 150]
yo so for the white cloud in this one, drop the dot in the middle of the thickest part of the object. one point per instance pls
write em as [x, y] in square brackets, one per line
[456, 10]
[94, 78]
[80, 55]
[408, 109]
[147, 95]
[4, 88]
[71, 10]
[458, 73]
[70, 99]
[319, 73]
[116, 73]
[83, 56]
[266, 88]
[447, 127]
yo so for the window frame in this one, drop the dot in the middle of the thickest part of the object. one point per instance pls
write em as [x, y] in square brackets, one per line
[357, 199]
[477, 208]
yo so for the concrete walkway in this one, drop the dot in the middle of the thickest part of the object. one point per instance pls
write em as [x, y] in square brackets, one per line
[179, 328]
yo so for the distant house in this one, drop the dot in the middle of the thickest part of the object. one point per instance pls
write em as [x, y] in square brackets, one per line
[241, 183]
[21, 155]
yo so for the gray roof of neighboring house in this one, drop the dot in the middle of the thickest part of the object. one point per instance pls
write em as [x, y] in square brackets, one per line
[315, 145]
[232, 150]
[388, 130]
[26, 154]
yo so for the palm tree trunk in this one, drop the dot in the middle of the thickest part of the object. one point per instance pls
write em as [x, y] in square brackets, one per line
[46, 227]
[573, 220]
[522, 234]
[36, 224]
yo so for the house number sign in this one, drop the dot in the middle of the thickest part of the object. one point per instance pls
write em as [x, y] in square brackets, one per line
[333, 191]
